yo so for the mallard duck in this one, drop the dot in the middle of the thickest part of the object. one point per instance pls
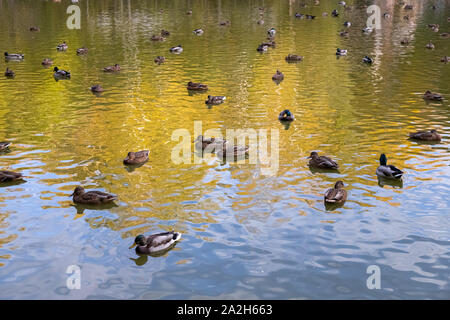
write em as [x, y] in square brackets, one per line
[260, 21]
[82, 51]
[428, 95]
[445, 59]
[47, 62]
[225, 23]
[334, 13]
[336, 194]
[215, 100]
[97, 88]
[321, 162]
[113, 68]
[278, 76]
[176, 49]
[14, 56]
[4, 145]
[271, 32]
[160, 59]
[60, 73]
[293, 57]
[201, 143]
[434, 27]
[35, 28]
[347, 24]
[342, 3]
[409, 7]
[165, 33]
[270, 43]
[9, 72]
[341, 52]
[286, 115]
[157, 38]
[156, 242]
[367, 30]
[196, 86]
[430, 135]
[62, 47]
[445, 35]
[138, 157]
[299, 15]
[232, 151]
[388, 171]
[8, 176]
[198, 32]
[308, 16]
[262, 48]
[405, 41]
[91, 197]
[367, 59]
[430, 45]
[343, 33]
[189, 12]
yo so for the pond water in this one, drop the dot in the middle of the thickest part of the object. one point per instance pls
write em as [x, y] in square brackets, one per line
[246, 234]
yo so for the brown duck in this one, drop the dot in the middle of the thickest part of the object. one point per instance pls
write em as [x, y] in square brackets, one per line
[8, 176]
[138, 157]
[336, 194]
[201, 143]
[278, 76]
[321, 162]
[196, 86]
[113, 68]
[430, 135]
[91, 197]
[4, 145]
[293, 57]
[160, 59]
[428, 95]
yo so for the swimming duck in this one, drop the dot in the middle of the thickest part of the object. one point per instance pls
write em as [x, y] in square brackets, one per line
[367, 30]
[201, 143]
[386, 15]
[35, 28]
[431, 135]
[8, 176]
[445, 35]
[61, 73]
[189, 12]
[82, 50]
[9, 72]
[14, 56]
[165, 33]
[156, 242]
[138, 157]
[177, 49]
[336, 194]
[434, 27]
[335, 13]
[233, 151]
[286, 115]
[196, 86]
[405, 41]
[113, 68]
[293, 57]
[308, 16]
[157, 38]
[4, 145]
[342, 3]
[271, 32]
[367, 59]
[409, 7]
[388, 171]
[225, 23]
[62, 47]
[278, 76]
[262, 48]
[47, 62]
[445, 59]
[198, 32]
[97, 88]
[430, 45]
[343, 33]
[160, 59]
[347, 24]
[341, 52]
[215, 100]
[321, 162]
[428, 95]
[91, 197]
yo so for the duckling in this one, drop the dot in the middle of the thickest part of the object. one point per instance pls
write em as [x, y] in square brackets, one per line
[213, 144]
[388, 171]
[431, 135]
[157, 38]
[405, 41]
[428, 95]
[215, 100]
[14, 56]
[113, 68]
[155, 243]
[8, 176]
[196, 86]
[138, 157]
[367, 30]
[47, 62]
[82, 51]
[445, 59]
[341, 52]
[9, 72]
[198, 32]
[335, 13]
[177, 49]
[430, 45]
[160, 59]
[336, 194]
[233, 151]
[321, 162]
[225, 23]
[409, 7]
[4, 145]
[165, 33]
[293, 57]
[286, 115]
[97, 88]
[367, 59]
[347, 24]
[299, 15]
[62, 47]
[61, 73]
[278, 76]
[35, 29]
[271, 32]
[91, 197]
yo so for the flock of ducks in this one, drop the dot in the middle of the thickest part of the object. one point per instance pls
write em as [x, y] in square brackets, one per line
[163, 241]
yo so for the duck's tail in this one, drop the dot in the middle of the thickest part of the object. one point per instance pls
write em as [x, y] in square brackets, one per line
[176, 236]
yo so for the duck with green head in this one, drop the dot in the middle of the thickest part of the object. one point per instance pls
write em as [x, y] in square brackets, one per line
[388, 171]
[156, 242]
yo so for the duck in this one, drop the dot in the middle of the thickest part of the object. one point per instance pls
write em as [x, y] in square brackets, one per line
[62, 47]
[388, 171]
[445, 35]
[14, 56]
[61, 73]
[299, 15]
[215, 100]
[341, 52]
[367, 30]
[367, 59]
[386, 15]
[278, 76]
[198, 32]
[430, 45]
[97, 88]
[262, 48]
[342, 3]
[234, 151]
[271, 32]
[196, 86]
[4, 145]
[176, 49]
[35, 28]
[308, 16]
[8, 176]
[347, 24]
[160, 59]
[343, 33]
[91, 197]
[113, 68]
[428, 95]
[189, 12]
[157, 38]
[201, 143]
[82, 51]
[434, 27]
[293, 57]
[430, 135]
[336, 194]
[334, 13]
[156, 242]
[286, 115]
[225, 23]
[47, 62]
[138, 157]
[321, 162]
[409, 7]
[445, 59]
[9, 72]
[165, 33]
[405, 41]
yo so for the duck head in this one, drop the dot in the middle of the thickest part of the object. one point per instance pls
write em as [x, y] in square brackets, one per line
[313, 154]
[339, 185]
[6, 54]
[131, 155]
[78, 190]
[55, 69]
[140, 240]
[383, 159]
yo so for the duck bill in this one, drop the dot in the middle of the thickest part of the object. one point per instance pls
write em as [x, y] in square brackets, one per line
[132, 246]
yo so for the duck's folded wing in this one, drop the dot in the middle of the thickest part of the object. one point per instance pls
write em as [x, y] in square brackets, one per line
[327, 162]
[98, 195]
[161, 239]
[395, 171]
